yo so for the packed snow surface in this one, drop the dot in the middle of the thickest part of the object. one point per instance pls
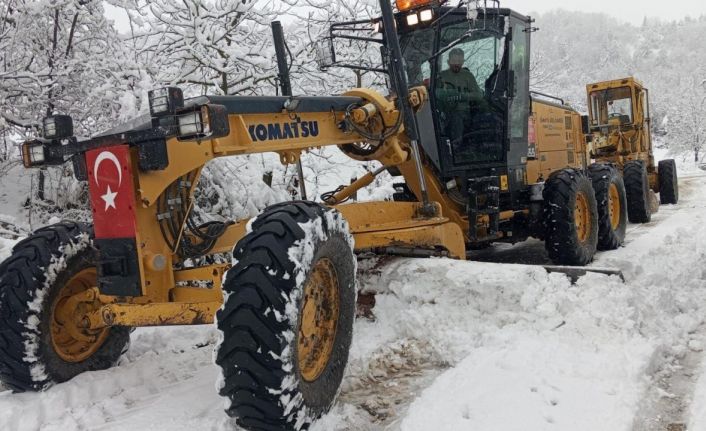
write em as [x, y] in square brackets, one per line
[457, 346]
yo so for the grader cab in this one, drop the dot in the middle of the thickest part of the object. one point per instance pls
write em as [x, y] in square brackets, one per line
[619, 133]
[482, 160]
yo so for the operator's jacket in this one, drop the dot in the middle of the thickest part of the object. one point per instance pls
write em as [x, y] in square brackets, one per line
[458, 89]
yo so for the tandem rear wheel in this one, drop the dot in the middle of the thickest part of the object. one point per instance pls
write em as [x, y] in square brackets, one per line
[611, 203]
[668, 182]
[637, 187]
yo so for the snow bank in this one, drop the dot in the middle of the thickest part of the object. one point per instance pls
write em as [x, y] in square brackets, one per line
[525, 349]
[6, 247]
[455, 346]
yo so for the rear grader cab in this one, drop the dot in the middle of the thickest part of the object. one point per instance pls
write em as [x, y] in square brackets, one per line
[619, 134]
[482, 159]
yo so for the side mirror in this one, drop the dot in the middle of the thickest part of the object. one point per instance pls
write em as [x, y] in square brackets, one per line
[325, 54]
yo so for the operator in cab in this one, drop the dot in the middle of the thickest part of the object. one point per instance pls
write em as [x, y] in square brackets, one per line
[458, 89]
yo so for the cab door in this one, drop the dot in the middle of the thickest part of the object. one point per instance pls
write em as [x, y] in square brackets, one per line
[519, 102]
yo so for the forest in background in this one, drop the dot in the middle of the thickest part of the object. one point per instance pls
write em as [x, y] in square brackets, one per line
[64, 56]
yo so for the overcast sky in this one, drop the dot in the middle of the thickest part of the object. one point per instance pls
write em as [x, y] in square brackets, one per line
[632, 11]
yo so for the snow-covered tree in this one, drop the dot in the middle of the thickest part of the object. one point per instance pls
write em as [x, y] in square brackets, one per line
[317, 17]
[59, 57]
[210, 46]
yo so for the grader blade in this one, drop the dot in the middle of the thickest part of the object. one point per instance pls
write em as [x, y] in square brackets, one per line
[574, 272]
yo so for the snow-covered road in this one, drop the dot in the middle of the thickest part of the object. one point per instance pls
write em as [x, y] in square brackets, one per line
[459, 346]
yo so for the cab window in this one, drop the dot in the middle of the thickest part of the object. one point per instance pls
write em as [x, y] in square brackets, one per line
[612, 106]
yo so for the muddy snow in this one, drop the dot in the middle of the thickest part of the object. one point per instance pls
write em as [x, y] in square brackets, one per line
[458, 346]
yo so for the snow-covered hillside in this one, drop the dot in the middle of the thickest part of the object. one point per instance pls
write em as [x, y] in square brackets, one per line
[458, 346]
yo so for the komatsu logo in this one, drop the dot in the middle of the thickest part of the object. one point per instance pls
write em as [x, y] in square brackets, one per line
[277, 131]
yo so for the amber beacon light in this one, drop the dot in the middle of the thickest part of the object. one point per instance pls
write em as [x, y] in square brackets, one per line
[405, 5]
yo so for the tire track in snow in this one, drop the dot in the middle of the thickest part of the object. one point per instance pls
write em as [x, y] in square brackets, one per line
[666, 403]
[673, 375]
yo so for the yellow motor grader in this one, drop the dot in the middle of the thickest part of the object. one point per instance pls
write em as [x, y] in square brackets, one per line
[481, 163]
[619, 134]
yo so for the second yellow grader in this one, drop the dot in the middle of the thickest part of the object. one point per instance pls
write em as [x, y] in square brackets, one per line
[619, 133]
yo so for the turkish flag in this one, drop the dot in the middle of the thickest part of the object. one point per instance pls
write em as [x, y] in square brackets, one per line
[112, 194]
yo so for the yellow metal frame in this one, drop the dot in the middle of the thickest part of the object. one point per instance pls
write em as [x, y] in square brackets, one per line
[176, 297]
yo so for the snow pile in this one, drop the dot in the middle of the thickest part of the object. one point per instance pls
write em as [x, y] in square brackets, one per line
[455, 346]
[522, 341]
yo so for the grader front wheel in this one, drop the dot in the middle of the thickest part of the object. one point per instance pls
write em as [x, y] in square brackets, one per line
[71, 342]
[570, 218]
[44, 285]
[287, 319]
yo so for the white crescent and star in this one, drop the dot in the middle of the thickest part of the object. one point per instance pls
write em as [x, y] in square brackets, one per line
[109, 196]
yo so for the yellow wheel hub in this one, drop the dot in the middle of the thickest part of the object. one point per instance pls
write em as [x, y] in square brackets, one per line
[582, 217]
[319, 319]
[614, 206]
[71, 341]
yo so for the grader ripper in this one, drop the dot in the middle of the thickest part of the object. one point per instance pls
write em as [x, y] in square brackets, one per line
[482, 161]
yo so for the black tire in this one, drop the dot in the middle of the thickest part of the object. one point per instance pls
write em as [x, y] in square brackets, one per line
[563, 241]
[637, 186]
[668, 182]
[604, 177]
[262, 311]
[30, 280]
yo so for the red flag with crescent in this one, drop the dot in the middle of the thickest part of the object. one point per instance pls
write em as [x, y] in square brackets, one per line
[111, 191]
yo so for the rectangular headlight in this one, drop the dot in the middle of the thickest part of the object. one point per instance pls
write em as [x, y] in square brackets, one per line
[426, 15]
[58, 127]
[190, 124]
[33, 154]
[165, 101]
[412, 19]
[203, 122]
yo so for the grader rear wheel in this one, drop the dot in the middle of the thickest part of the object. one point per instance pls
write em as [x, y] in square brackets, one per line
[287, 318]
[612, 205]
[570, 218]
[637, 186]
[44, 286]
[668, 182]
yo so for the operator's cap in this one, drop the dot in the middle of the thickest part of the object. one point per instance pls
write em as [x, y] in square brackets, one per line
[456, 56]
